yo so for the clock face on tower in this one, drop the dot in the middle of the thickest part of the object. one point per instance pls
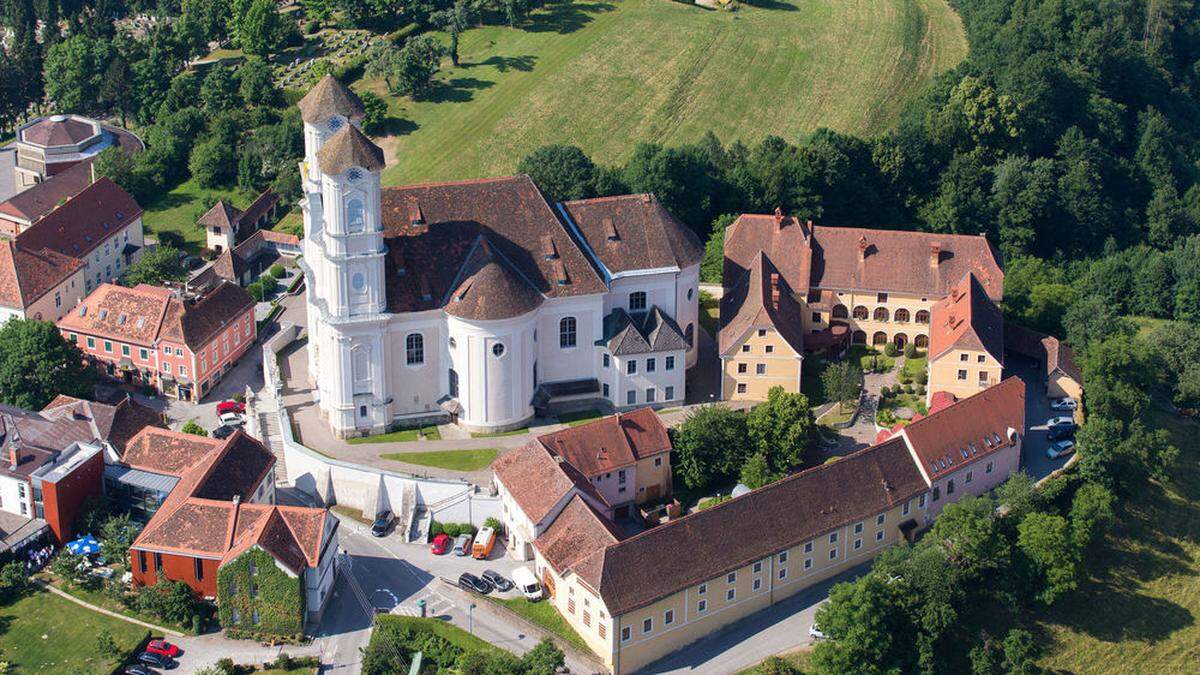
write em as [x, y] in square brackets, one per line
[353, 175]
[335, 123]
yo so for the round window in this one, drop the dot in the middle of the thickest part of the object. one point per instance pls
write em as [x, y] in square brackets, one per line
[358, 281]
[453, 343]
[498, 350]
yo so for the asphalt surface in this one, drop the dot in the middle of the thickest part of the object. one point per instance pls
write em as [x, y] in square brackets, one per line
[1037, 411]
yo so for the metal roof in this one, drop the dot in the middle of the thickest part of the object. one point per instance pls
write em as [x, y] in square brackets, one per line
[146, 480]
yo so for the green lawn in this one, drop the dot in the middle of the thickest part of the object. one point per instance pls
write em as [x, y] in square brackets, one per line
[801, 660]
[98, 598]
[574, 419]
[455, 460]
[1138, 611]
[43, 633]
[869, 355]
[543, 614]
[177, 210]
[448, 631]
[499, 434]
[916, 365]
[604, 74]
[402, 436]
[710, 313]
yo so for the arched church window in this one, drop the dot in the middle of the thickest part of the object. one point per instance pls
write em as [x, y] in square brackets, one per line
[355, 216]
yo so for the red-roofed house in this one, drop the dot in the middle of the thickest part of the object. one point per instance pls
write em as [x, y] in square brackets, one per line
[219, 531]
[149, 335]
[870, 286]
[966, 341]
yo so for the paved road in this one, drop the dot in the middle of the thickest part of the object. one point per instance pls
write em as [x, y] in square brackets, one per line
[1037, 411]
[394, 576]
[780, 628]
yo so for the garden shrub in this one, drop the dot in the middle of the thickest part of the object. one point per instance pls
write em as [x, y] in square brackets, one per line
[452, 530]
[922, 377]
[920, 390]
[910, 351]
[435, 528]
[495, 524]
[890, 350]
[277, 271]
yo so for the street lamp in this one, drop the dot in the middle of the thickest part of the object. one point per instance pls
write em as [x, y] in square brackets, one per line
[471, 619]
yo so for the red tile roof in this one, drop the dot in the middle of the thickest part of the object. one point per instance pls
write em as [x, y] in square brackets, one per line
[115, 423]
[707, 544]
[26, 275]
[207, 514]
[222, 214]
[84, 222]
[44, 197]
[1046, 349]
[611, 442]
[432, 228]
[966, 319]
[634, 232]
[969, 430]
[841, 258]
[490, 288]
[575, 534]
[538, 480]
[128, 314]
[761, 298]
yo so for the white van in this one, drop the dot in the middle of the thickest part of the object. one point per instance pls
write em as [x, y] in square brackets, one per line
[527, 583]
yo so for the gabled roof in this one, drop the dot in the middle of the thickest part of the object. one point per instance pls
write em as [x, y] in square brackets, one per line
[641, 333]
[634, 232]
[83, 222]
[230, 266]
[44, 197]
[292, 535]
[196, 323]
[610, 442]
[574, 534]
[168, 452]
[431, 230]
[327, 98]
[537, 479]
[1053, 355]
[128, 314]
[27, 275]
[762, 298]
[116, 424]
[349, 147]
[969, 430]
[490, 287]
[966, 319]
[222, 214]
[813, 256]
[707, 544]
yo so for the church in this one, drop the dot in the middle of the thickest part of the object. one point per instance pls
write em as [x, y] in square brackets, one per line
[481, 302]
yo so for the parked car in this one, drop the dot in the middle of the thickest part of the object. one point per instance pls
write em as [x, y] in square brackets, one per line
[440, 544]
[382, 523]
[1061, 421]
[497, 580]
[462, 545]
[1060, 449]
[157, 660]
[137, 669]
[470, 582]
[163, 648]
[231, 419]
[224, 431]
[230, 406]
[527, 584]
[1065, 404]
[815, 632]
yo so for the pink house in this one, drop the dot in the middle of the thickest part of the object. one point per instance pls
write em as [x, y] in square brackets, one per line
[971, 446]
[150, 336]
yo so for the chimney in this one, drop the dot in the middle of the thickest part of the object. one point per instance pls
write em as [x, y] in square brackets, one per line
[778, 218]
[935, 254]
[775, 289]
[862, 249]
[415, 217]
[14, 456]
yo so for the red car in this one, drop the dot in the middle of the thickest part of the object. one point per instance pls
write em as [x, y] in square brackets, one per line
[440, 545]
[230, 406]
[162, 647]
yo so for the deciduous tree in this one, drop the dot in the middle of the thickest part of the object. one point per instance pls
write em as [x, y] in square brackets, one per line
[37, 363]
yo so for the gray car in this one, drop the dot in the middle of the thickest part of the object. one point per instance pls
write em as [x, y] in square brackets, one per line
[462, 545]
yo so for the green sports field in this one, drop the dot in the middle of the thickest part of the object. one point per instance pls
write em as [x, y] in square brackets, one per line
[604, 75]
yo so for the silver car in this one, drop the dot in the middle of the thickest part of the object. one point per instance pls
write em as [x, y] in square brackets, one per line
[462, 545]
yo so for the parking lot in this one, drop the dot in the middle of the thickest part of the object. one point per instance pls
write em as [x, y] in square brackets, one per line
[1037, 411]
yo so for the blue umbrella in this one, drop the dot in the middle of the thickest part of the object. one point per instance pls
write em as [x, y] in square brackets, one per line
[85, 545]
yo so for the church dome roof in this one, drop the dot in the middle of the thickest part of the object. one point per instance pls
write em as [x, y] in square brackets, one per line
[328, 98]
[490, 288]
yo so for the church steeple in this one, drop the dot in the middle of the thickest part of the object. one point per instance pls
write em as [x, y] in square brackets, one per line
[328, 98]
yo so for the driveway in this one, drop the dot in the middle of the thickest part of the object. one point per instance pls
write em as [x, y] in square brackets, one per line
[394, 576]
[780, 628]
[1037, 411]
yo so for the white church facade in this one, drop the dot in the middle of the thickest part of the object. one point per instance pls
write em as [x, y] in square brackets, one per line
[480, 301]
